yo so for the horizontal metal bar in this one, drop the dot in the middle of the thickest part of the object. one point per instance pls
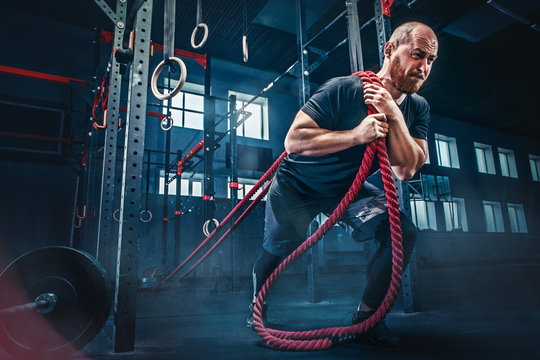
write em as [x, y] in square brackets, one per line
[39, 75]
[39, 137]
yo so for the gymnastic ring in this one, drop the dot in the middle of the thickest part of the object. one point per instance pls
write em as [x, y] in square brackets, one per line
[145, 211]
[181, 81]
[205, 36]
[206, 231]
[245, 48]
[117, 211]
[165, 120]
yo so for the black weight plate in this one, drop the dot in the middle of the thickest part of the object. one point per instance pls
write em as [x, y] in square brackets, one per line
[84, 302]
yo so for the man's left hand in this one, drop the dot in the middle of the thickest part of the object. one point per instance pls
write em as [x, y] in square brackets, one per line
[381, 99]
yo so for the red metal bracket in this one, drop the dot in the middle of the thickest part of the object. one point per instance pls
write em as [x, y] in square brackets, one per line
[107, 37]
[386, 5]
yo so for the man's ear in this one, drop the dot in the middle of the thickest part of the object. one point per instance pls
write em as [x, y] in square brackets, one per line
[389, 47]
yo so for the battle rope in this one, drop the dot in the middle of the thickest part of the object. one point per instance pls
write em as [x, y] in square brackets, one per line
[228, 218]
[324, 338]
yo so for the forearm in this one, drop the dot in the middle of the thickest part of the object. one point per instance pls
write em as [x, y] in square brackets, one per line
[405, 154]
[318, 142]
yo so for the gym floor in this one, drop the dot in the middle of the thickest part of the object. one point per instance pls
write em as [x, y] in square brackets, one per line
[495, 318]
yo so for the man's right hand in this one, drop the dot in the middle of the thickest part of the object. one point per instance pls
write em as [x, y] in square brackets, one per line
[371, 128]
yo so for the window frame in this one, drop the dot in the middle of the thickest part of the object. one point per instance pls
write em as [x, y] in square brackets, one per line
[241, 99]
[496, 214]
[190, 89]
[534, 164]
[511, 170]
[520, 223]
[451, 151]
[487, 157]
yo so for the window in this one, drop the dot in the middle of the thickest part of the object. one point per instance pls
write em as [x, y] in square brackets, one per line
[187, 107]
[447, 154]
[244, 187]
[423, 214]
[517, 218]
[493, 217]
[484, 158]
[508, 163]
[454, 215]
[190, 184]
[534, 161]
[256, 125]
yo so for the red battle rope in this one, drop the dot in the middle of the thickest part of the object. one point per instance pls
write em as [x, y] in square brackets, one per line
[229, 217]
[324, 338]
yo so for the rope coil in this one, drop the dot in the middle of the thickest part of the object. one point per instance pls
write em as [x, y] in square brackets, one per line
[325, 338]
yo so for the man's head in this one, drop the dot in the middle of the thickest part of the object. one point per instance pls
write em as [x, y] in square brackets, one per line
[409, 55]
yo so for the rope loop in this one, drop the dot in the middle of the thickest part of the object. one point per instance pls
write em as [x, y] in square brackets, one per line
[206, 230]
[142, 217]
[166, 123]
[205, 35]
[181, 81]
[245, 52]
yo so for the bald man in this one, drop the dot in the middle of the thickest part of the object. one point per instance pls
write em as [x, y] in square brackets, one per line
[325, 146]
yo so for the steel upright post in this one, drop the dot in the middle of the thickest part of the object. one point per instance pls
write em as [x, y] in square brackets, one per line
[233, 187]
[105, 243]
[355, 42]
[130, 205]
[209, 144]
[304, 93]
[411, 302]
[303, 61]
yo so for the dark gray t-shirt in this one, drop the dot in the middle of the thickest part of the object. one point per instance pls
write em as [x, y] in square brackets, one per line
[339, 105]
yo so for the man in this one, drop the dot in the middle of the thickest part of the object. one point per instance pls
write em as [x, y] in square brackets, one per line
[325, 146]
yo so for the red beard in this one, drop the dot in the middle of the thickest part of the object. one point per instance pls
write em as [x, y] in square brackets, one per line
[406, 83]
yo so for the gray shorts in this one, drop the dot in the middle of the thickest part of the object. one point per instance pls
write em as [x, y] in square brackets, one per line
[288, 215]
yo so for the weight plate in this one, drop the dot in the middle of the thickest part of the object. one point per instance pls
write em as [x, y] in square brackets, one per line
[84, 302]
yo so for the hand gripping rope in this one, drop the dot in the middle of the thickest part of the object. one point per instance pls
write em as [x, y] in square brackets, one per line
[324, 338]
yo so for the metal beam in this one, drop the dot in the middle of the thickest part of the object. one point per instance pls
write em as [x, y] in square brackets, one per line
[130, 206]
[105, 244]
[355, 42]
[233, 186]
[108, 11]
[303, 73]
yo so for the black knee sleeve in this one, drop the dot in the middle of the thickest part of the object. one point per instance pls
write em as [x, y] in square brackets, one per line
[264, 265]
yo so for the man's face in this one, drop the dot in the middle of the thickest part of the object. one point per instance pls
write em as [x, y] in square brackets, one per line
[410, 62]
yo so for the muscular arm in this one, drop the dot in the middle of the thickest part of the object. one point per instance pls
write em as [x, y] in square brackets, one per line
[305, 137]
[406, 154]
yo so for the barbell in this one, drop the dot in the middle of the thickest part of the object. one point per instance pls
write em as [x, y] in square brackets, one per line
[53, 301]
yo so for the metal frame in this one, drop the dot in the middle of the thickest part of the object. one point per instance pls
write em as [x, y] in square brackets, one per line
[105, 243]
[235, 246]
[355, 42]
[128, 234]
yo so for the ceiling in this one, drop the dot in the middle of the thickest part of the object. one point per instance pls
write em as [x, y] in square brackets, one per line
[487, 72]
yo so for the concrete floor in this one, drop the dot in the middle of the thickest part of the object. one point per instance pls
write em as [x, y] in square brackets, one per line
[205, 321]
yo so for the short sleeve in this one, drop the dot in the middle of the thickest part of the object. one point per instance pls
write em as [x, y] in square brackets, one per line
[321, 106]
[419, 127]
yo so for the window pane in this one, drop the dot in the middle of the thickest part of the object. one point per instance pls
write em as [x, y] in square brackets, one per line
[196, 188]
[504, 164]
[193, 120]
[490, 218]
[253, 125]
[247, 188]
[481, 160]
[184, 187]
[513, 219]
[444, 153]
[195, 102]
[421, 214]
[534, 169]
